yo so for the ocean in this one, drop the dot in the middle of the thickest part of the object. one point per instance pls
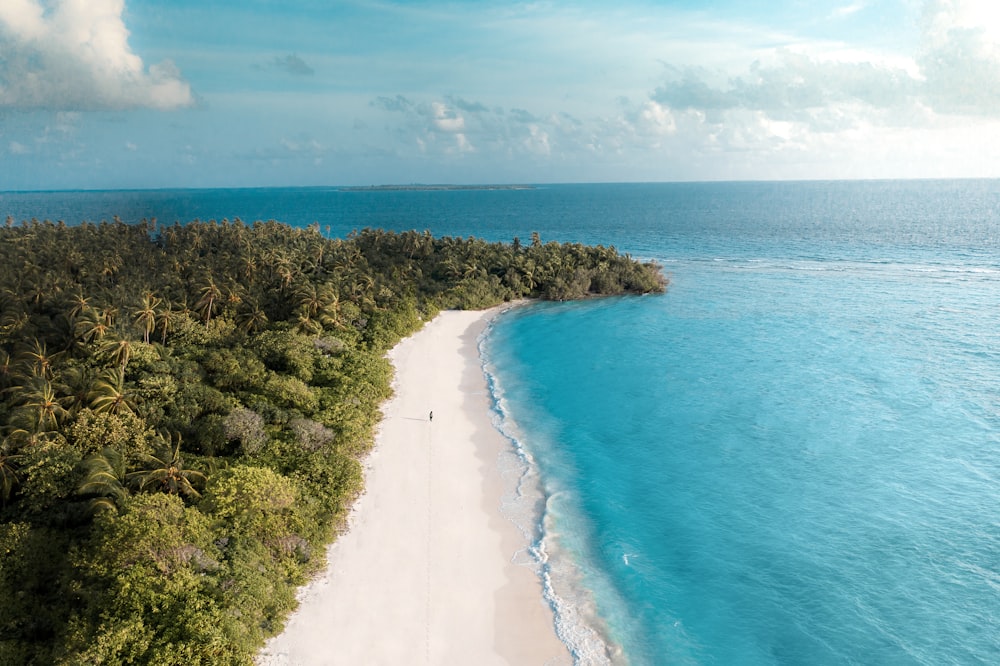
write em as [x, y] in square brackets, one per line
[791, 457]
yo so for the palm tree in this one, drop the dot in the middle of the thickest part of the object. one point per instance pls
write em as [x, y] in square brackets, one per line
[9, 477]
[311, 298]
[6, 368]
[332, 314]
[91, 325]
[110, 266]
[233, 293]
[306, 324]
[29, 428]
[281, 266]
[78, 304]
[108, 314]
[145, 316]
[119, 349]
[248, 266]
[38, 360]
[78, 380]
[210, 293]
[164, 471]
[41, 403]
[251, 317]
[166, 317]
[105, 479]
[529, 270]
[109, 394]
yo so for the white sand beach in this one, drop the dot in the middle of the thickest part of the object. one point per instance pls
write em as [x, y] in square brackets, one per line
[424, 574]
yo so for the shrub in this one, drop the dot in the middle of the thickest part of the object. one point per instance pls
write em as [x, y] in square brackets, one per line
[246, 427]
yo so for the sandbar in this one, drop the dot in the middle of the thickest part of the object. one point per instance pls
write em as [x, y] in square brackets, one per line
[425, 572]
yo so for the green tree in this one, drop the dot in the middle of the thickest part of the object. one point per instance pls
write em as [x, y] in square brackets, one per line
[251, 317]
[208, 297]
[37, 360]
[145, 315]
[166, 319]
[41, 404]
[104, 479]
[110, 393]
[9, 476]
[91, 326]
[118, 350]
[164, 471]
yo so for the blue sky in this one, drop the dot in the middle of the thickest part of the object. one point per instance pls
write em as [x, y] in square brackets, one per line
[177, 93]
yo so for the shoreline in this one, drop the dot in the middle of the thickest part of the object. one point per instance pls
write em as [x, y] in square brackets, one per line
[426, 572]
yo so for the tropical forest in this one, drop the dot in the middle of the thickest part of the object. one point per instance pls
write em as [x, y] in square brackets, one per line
[185, 409]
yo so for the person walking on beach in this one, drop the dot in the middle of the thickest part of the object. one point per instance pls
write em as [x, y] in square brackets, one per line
[431, 417]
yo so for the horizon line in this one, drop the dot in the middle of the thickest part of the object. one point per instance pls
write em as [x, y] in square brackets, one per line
[512, 186]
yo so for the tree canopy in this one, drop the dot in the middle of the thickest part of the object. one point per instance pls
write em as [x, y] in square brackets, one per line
[184, 409]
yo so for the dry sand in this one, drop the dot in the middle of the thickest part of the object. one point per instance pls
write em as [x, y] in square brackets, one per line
[424, 574]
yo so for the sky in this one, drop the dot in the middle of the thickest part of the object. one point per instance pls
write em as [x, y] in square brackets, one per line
[123, 94]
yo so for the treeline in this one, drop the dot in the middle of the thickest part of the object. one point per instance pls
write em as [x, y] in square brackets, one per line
[185, 408]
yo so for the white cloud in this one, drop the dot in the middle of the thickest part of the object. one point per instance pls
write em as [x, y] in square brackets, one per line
[960, 59]
[446, 119]
[73, 55]
[798, 98]
[16, 148]
[537, 141]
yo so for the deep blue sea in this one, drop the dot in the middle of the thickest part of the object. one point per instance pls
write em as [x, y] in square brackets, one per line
[792, 457]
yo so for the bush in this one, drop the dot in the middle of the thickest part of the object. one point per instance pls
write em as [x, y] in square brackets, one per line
[128, 434]
[246, 427]
[309, 434]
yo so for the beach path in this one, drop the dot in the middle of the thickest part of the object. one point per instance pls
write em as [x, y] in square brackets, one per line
[424, 574]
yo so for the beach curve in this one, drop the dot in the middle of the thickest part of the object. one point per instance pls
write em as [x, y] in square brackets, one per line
[425, 572]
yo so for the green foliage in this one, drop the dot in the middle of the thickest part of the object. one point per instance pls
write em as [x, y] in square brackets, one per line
[258, 504]
[234, 369]
[290, 393]
[49, 477]
[157, 563]
[105, 476]
[164, 471]
[263, 347]
[35, 586]
[93, 431]
[287, 351]
[330, 484]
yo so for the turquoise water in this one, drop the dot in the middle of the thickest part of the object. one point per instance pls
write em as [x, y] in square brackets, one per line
[767, 468]
[792, 457]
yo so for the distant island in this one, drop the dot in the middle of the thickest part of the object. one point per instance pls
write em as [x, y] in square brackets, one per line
[432, 188]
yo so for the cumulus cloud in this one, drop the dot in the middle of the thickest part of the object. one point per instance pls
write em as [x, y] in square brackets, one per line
[446, 119]
[960, 57]
[435, 126]
[797, 88]
[956, 72]
[456, 127]
[74, 56]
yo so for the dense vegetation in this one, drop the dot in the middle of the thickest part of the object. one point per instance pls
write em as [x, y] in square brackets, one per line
[184, 409]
